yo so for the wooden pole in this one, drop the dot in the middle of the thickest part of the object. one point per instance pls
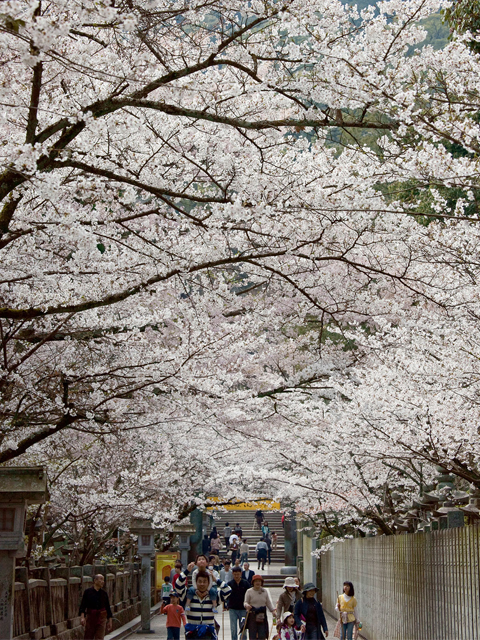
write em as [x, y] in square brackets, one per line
[244, 626]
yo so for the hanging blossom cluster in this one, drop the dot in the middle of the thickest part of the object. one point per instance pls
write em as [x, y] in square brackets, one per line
[210, 246]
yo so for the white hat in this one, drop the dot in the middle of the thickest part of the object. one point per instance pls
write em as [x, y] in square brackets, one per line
[290, 582]
[286, 615]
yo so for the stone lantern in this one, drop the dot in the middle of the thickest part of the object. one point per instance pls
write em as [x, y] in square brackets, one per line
[19, 487]
[143, 528]
[184, 531]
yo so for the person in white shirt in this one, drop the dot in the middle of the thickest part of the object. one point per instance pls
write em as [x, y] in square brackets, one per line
[226, 573]
[262, 551]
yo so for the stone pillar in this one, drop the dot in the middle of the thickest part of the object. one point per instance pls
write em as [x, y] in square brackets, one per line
[7, 581]
[146, 593]
[19, 487]
[143, 528]
[290, 532]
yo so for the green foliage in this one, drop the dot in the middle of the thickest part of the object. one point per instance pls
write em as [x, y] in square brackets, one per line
[463, 16]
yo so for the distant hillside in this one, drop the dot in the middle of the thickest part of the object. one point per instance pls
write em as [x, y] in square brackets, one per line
[438, 32]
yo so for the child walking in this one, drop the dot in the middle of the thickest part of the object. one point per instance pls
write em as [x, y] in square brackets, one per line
[166, 590]
[286, 628]
[175, 617]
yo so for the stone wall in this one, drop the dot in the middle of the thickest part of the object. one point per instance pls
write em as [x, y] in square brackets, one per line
[421, 585]
[47, 600]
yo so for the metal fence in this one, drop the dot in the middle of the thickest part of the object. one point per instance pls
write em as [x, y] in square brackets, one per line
[418, 586]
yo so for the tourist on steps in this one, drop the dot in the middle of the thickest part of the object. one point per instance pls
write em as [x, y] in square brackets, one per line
[257, 601]
[309, 616]
[244, 551]
[258, 518]
[347, 607]
[274, 540]
[227, 532]
[262, 552]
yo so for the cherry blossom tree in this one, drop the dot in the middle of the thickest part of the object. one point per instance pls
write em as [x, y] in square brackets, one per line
[188, 245]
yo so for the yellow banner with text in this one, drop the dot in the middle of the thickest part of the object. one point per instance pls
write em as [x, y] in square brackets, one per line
[264, 504]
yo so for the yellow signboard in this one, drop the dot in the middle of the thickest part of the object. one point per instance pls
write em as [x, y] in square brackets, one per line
[264, 504]
[164, 563]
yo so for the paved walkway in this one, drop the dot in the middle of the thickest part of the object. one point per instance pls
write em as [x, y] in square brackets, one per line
[158, 621]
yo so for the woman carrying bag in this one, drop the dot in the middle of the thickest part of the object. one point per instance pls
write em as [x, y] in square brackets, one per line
[347, 607]
[257, 601]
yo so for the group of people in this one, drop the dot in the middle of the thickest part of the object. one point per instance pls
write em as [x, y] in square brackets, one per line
[237, 547]
[297, 614]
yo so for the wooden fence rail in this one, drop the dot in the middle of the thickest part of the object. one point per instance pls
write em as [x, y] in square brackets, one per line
[412, 586]
[47, 600]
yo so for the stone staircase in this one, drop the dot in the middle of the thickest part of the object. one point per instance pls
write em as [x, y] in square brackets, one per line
[247, 521]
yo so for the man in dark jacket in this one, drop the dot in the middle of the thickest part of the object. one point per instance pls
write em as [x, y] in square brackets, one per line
[236, 607]
[309, 616]
[95, 612]
[247, 573]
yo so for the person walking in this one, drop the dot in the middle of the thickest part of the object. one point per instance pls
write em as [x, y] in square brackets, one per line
[175, 616]
[309, 616]
[262, 551]
[176, 571]
[257, 601]
[215, 544]
[166, 591]
[288, 598]
[258, 518]
[200, 618]
[226, 573]
[227, 532]
[213, 533]
[347, 607]
[268, 540]
[274, 540]
[234, 546]
[244, 551]
[238, 530]
[247, 573]
[236, 600]
[95, 613]
[265, 529]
